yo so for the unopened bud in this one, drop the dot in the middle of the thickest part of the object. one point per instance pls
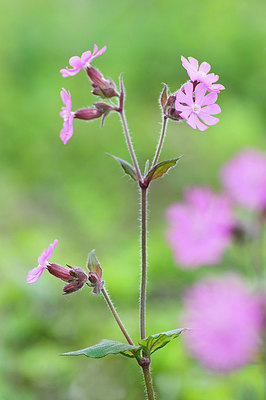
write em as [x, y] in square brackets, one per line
[101, 87]
[60, 272]
[78, 279]
[169, 109]
[88, 113]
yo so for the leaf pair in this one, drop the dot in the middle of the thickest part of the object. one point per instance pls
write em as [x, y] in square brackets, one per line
[155, 172]
[149, 345]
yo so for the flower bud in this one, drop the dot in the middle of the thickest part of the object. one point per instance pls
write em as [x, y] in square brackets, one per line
[170, 111]
[88, 114]
[60, 272]
[101, 87]
[78, 279]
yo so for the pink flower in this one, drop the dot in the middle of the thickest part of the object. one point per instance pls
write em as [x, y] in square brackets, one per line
[67, 115]
[81, 62]
[35, 273]
[199, 106]
[225, 321]
[244, 177]
[199, 229]
[200, 73]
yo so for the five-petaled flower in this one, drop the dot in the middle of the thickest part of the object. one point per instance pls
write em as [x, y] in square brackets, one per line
[226, 323]
[35, 273]
[244, 177]
[84, 61]
[199, 229]
[200, 74]
[67, 115]
[195, 106]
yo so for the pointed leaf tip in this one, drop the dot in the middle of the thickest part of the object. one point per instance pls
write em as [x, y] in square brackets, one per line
[128, 168]
[155, 342]
[104, 348]
[160, 169]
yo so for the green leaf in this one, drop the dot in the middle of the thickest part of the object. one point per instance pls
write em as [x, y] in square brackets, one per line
[104, 348]
[128, 168]
[160, 169]
[155, 342]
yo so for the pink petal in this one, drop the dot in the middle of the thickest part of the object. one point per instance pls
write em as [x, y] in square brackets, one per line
[191, 121]
[209, 79]
[186, 113]
[200, 91]
[208, 119]
[100, 52]
[204, 67]
[76, 62]
[193, 62]
[86, 57]
[209, 99]
[212, 109]
[68, 72]
[46, 254]
[200, 125]
[66, 97]
[188, 86]
[181, 97]
[216, 88]
[95, 49]
[181, 107]
[34, 274]
[185, 63]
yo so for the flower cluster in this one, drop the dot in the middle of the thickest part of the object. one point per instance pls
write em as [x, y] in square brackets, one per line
[192, 103]
[74, 276]
[202, 227]
[226, 323]
[100, 87]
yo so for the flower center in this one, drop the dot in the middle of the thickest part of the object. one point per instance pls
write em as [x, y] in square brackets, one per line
[196, 108]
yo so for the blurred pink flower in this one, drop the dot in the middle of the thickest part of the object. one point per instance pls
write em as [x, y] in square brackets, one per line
[35, 273]
[201, 106]
[67, 115]
[199, 229]
[81, 62]
[244, 177]
[200, 73]
[225, 321]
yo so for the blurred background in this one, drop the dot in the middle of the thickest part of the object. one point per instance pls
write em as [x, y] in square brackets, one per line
[77, 194]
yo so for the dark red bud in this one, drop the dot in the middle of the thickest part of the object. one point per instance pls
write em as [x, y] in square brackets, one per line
[60, 272]
[88, 114]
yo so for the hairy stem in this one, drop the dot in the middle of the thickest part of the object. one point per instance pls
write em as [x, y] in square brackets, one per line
[161, 140]
[115, 314]
[129, 144]
[148, 382]
[143, 262]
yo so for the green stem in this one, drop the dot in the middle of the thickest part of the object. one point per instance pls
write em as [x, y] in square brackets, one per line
[148, 382]
[143, 262]
[115, 314]
[161, 140]
[129, 144]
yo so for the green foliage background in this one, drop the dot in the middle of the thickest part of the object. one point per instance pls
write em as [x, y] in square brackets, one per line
[78, 195]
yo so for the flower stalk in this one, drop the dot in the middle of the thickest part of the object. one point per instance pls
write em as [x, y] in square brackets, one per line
[161, 141]
[116, 316]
